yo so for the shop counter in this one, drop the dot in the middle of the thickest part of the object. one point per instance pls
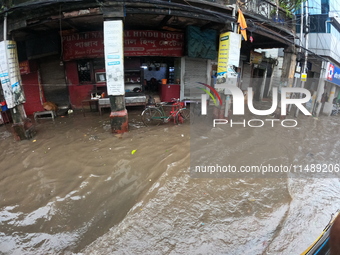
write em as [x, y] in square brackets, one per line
[135, 98]
[169, 91]
[131, 99]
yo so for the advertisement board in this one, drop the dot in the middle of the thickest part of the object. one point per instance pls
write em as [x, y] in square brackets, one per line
[136, 43]
[153, 43]
[114, 57]
[333, 74]
[10, 74]
[83, 45]
[228, 59]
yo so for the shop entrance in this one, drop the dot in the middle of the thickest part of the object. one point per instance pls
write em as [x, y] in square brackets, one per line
[53, 81]
[258, 75]
[159, 77]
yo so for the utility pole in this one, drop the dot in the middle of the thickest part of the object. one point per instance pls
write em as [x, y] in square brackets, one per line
[22, 126]
[113, 30]
[304, 66]
[299, 53]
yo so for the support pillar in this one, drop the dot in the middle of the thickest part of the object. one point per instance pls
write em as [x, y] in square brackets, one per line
[114, 64]
[119, 115]
[288, 67]
[263, 84]
[321, 89]
[22, 126]
[12, 87]
[328, 111]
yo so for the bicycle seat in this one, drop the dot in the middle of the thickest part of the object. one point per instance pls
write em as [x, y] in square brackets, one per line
[150, 106]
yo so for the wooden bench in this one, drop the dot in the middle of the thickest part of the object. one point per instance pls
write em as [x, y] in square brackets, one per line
[44, 115]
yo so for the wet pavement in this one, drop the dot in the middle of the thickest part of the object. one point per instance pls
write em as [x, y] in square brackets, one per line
[75, 188]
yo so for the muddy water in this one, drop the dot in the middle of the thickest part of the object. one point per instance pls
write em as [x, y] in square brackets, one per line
[79, 189]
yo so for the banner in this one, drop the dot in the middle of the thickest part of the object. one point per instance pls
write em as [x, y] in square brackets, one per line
[228, 59]
[136, 43]
[83, 45]
[24, 67]
[10, 74]
[114, 56]
[256, 57]
[153, 43]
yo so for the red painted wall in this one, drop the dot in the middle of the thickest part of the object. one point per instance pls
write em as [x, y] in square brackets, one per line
[77, 92]
[31, 89]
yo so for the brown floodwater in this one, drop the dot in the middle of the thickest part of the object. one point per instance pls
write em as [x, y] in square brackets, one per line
[76, 188]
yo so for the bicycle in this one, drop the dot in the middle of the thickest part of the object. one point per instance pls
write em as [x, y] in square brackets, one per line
[335, 109]
[153, 115]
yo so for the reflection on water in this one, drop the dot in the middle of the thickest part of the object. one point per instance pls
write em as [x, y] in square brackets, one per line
[79, 189]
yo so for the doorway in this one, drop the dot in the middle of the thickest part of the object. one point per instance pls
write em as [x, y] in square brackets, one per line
[258, 74]
[53, 81]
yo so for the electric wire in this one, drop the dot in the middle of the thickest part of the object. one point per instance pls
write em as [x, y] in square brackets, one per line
[221, 16]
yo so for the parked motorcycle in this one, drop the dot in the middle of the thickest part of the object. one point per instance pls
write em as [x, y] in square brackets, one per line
[335, 109]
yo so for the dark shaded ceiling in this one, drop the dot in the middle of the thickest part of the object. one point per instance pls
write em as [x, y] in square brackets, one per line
[87, 16]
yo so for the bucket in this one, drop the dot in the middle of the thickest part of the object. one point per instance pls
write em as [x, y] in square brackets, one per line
[164, 81]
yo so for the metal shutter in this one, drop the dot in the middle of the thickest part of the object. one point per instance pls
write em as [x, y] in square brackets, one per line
[53, 81]
[195, 70]
[246, 76]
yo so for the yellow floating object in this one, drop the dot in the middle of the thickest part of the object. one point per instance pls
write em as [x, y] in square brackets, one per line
[133, 152]
[34, 141]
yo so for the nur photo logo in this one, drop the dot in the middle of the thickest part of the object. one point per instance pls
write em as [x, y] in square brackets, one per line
[238, 102]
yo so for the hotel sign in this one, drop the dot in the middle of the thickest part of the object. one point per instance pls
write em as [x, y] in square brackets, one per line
[153, 43]
[136, 43]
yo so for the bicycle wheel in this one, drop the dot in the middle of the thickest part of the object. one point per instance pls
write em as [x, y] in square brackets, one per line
[182, 116]
[152, 117]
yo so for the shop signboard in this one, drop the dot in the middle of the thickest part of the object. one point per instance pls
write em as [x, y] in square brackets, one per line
[136, 43]
[24, 67]
[228, 58]
[255, 57]
[10, 74]
[114, 56]
[83, 45]
[333, 74]
[153, 43]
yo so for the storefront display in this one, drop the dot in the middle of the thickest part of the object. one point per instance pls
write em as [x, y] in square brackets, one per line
[155, 49]
[133, 80]
[169, 91]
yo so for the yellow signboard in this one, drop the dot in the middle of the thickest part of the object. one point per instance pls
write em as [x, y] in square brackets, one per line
[255, 57]
[223, 53]
[228, 58]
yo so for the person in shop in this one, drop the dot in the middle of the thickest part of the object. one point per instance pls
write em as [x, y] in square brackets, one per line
[153, 85]
[324, 99]
[145, 86]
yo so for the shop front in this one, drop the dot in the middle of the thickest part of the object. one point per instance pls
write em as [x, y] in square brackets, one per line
[152, 59]
[32, 87]
[331, 89]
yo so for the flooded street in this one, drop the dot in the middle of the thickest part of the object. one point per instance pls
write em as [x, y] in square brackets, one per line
[75, 188]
